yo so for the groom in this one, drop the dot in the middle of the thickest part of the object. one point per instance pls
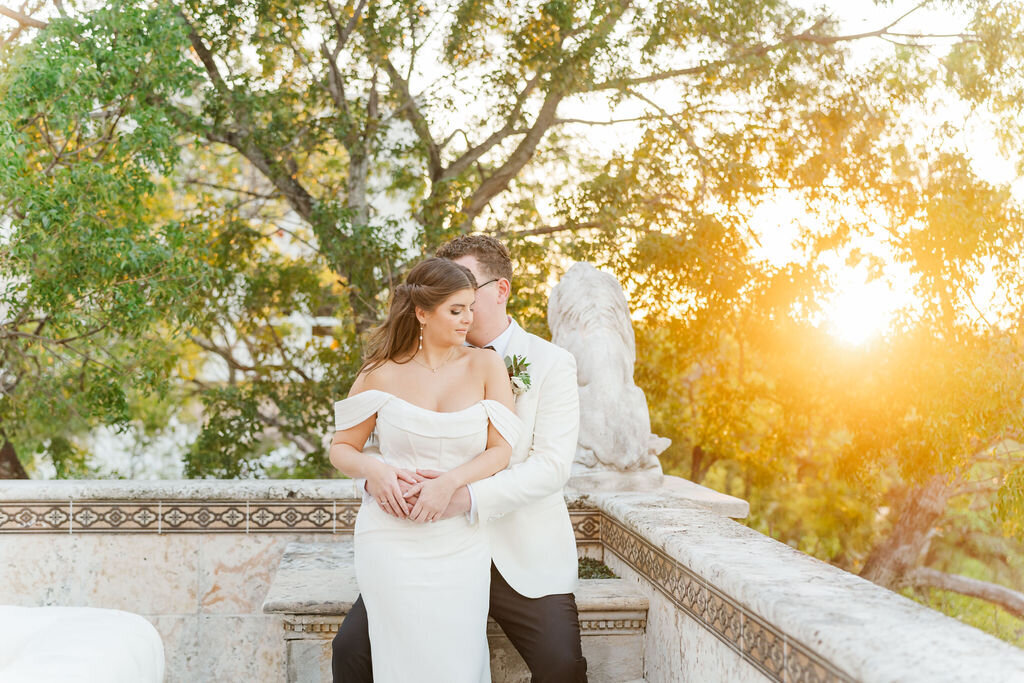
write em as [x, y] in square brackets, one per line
[533, 548]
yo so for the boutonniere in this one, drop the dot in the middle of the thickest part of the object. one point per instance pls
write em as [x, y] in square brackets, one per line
[518, 374]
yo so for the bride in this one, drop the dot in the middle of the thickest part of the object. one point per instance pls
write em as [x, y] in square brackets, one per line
[436, 404]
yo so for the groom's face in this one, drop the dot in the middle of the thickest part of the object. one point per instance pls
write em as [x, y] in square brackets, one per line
[491, 295]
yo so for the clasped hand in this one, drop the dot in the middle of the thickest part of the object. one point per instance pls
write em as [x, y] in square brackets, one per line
[421, 496]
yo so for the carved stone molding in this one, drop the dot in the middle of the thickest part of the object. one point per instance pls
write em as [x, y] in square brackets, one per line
[772, 652]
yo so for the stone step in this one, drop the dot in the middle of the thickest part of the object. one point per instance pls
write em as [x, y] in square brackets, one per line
[315, 586]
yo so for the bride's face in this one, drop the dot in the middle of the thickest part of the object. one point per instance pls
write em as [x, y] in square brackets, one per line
[448, 324]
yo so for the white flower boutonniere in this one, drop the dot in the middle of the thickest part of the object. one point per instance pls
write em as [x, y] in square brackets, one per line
[518, 374]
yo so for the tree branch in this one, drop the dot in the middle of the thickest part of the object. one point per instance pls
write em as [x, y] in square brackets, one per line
[284, 352]
[807, 36]
[242, 140]
[223, 353]
[1007, 598]
[204, 54]
[303, 441]
[413, 115]
[256, 195]
[612, 122]
[22, 19]
[285, 182]
[472, 154]
[975, 487]
[500, 179]
[344, 31]
[551, 229]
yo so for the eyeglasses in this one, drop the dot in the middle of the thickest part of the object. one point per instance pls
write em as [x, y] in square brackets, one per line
[488, 282]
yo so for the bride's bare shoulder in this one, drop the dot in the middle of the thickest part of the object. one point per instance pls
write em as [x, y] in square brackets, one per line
[484, 361]
[380, 378]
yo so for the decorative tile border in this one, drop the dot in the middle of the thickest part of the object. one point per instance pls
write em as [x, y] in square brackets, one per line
[191, 516]
[34, 517]
[586, 524]
[770, 651]
[178, 516]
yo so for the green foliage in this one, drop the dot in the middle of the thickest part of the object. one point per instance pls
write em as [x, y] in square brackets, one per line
[590, 568]
[1010, 504]
[93, 276]
[204, 206]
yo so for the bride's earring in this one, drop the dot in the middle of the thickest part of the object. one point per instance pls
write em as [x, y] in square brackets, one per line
[421, 338]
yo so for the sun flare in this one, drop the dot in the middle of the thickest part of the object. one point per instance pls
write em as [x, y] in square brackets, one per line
[859, 310]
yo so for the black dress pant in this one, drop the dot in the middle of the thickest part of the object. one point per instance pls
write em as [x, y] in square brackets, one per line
[545, 631]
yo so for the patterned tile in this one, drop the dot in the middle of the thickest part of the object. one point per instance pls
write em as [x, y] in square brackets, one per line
[724, 617]
[188, 516]
[345, 516]
[802, 666]
[586, 524]
[289, 516]
[763, 646]
[114, 517]
[45, 517]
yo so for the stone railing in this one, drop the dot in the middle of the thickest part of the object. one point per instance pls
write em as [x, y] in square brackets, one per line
[725, 603]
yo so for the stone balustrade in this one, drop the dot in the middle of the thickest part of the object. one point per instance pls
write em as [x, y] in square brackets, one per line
[198, 558]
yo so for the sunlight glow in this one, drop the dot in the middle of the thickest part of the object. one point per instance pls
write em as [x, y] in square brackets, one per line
[860, 311]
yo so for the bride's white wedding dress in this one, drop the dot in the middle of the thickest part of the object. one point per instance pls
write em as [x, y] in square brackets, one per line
[425, 586]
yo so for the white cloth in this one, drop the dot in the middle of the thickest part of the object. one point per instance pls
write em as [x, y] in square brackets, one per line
[523, 507]
[426, 587]
[81, 644]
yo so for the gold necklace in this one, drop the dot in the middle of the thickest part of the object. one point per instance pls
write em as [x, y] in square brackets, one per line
[434, 370]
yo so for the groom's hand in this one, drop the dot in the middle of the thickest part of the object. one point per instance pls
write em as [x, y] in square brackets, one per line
[460, 502]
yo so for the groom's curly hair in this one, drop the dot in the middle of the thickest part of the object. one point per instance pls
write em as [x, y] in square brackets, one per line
[489, 252]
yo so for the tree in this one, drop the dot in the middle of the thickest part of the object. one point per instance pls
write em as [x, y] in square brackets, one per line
[92, 276]
[322, 147]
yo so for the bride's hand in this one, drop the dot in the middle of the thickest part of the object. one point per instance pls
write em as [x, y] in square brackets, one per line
[382, 484]
[434, 495]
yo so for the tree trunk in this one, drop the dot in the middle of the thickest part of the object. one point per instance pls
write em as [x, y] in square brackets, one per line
[892, 560]
[700, 462]
[10, 466]
[362, 279]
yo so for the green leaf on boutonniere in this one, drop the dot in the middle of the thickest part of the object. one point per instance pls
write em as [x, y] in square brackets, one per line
[518, 373]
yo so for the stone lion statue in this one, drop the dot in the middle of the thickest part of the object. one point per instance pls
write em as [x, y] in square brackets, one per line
[588, 315]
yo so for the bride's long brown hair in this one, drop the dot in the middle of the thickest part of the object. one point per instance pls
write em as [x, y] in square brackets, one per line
[426, 287]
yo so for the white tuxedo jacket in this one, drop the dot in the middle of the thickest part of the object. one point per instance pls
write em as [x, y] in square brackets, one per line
[523, 507]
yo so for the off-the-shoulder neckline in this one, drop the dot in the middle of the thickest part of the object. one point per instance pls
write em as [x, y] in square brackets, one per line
[426, 410]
